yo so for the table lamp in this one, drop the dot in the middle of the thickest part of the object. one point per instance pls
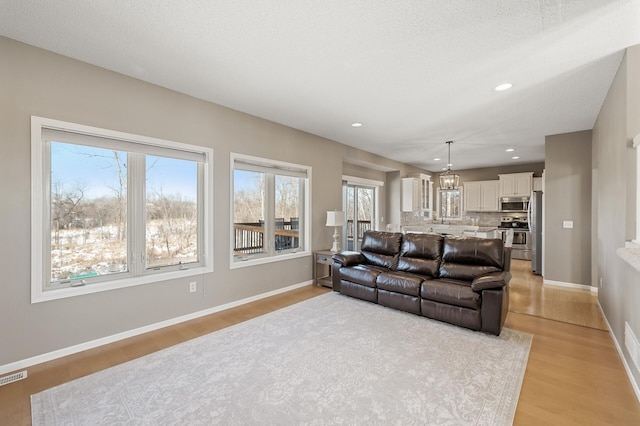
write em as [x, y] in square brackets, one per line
[335, 219]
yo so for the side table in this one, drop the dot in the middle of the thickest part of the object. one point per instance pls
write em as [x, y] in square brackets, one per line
[322, 267]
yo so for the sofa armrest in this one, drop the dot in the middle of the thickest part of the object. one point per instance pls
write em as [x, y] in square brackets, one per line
[493, 280]
[348, 258]
[507, 259]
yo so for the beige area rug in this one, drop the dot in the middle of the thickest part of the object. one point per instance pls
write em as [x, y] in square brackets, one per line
[328, 360]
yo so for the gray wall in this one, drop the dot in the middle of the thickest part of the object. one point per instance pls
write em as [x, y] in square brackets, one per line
[491, 173]
[614, 200]
[37, 82]
[567, 255]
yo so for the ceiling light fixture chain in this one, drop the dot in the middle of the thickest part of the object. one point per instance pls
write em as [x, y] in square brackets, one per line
[449, 179]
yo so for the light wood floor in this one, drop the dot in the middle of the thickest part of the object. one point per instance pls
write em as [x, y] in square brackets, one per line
[574, 375]
[529, 296]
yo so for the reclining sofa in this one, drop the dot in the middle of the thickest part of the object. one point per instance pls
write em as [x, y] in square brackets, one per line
[462, 281]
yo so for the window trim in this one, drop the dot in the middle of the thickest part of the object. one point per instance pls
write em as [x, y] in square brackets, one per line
[269, 166]
[348, 180]
[40, 183]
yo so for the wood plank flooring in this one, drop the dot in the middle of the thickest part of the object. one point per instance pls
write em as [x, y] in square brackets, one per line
[574, 375]
[529, 296]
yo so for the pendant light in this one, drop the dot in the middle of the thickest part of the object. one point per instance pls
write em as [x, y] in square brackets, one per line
[449, 179]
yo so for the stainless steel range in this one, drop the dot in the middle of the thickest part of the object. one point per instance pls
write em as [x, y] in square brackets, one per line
[521, 246]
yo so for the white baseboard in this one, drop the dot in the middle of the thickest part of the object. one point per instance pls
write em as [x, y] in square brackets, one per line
[571, 285]
[38, 359]
[627, 368]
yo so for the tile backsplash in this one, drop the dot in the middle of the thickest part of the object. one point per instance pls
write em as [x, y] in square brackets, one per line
[483, 219]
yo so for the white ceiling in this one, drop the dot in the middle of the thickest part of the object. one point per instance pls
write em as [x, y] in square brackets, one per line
[415, 72]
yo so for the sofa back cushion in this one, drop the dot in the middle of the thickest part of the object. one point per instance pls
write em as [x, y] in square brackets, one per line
[468, 258]
[421, 254]
[381, 248]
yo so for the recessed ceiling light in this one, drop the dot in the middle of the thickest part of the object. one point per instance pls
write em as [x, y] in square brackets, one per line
[510, 149]
[504, 86]
[356, 124]
[436, 159]
[515, 158]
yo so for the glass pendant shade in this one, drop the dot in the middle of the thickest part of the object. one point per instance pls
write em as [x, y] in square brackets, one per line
[449, 179]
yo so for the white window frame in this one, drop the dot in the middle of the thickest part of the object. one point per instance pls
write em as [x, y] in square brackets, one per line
[372, 183]
[305, 220]
[40, 223]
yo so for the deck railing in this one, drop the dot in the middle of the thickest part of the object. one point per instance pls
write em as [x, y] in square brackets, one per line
[249, 237]
[363, 225]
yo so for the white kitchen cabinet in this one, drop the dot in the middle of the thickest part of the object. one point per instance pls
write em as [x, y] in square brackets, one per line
[516, 184]
[481, 196]
[490, 196]
[472, 196]
[417, 194]
[410, 198]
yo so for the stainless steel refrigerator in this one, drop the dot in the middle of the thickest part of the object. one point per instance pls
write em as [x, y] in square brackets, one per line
[535, 226]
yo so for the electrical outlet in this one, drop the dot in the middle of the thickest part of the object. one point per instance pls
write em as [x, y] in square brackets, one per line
[600, 283]
[567, 224]
[193, 286]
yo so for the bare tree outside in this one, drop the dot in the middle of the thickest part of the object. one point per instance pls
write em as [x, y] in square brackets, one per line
[89, 219]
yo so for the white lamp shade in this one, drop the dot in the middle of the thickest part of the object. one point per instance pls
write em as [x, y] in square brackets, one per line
[335, 218]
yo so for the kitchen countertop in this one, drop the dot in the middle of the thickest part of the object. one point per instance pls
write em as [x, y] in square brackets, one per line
[439, 228]
[630, 254]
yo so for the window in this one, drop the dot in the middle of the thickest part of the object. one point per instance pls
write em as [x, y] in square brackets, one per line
[111, 209]
[450, 204]
[270, 210]
[360, 203]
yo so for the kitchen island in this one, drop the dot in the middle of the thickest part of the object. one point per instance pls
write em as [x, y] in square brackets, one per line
[454, 230]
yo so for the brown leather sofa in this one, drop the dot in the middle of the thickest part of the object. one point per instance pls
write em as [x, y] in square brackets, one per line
[462, 281]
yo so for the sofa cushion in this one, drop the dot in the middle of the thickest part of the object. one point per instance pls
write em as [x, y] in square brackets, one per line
[381, 248]
[420, 254]
[450, 292]
[399, 301]
[469, 318]
[359, 291]
[468, 258]
[399, 283]
[361, 274]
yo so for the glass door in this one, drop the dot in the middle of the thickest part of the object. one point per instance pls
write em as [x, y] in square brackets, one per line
[359, 206]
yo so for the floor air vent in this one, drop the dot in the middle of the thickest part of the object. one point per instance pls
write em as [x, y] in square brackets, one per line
[13, 378]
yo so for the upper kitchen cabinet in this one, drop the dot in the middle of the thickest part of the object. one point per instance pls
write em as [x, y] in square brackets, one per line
[516, 184]
[417, 194]
[481, 196]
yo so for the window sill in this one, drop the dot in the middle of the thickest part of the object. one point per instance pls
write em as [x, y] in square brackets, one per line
[630, 253]
[268, 259]
[38, 295]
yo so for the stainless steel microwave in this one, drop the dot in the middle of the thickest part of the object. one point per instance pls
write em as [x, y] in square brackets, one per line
[514, 204]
